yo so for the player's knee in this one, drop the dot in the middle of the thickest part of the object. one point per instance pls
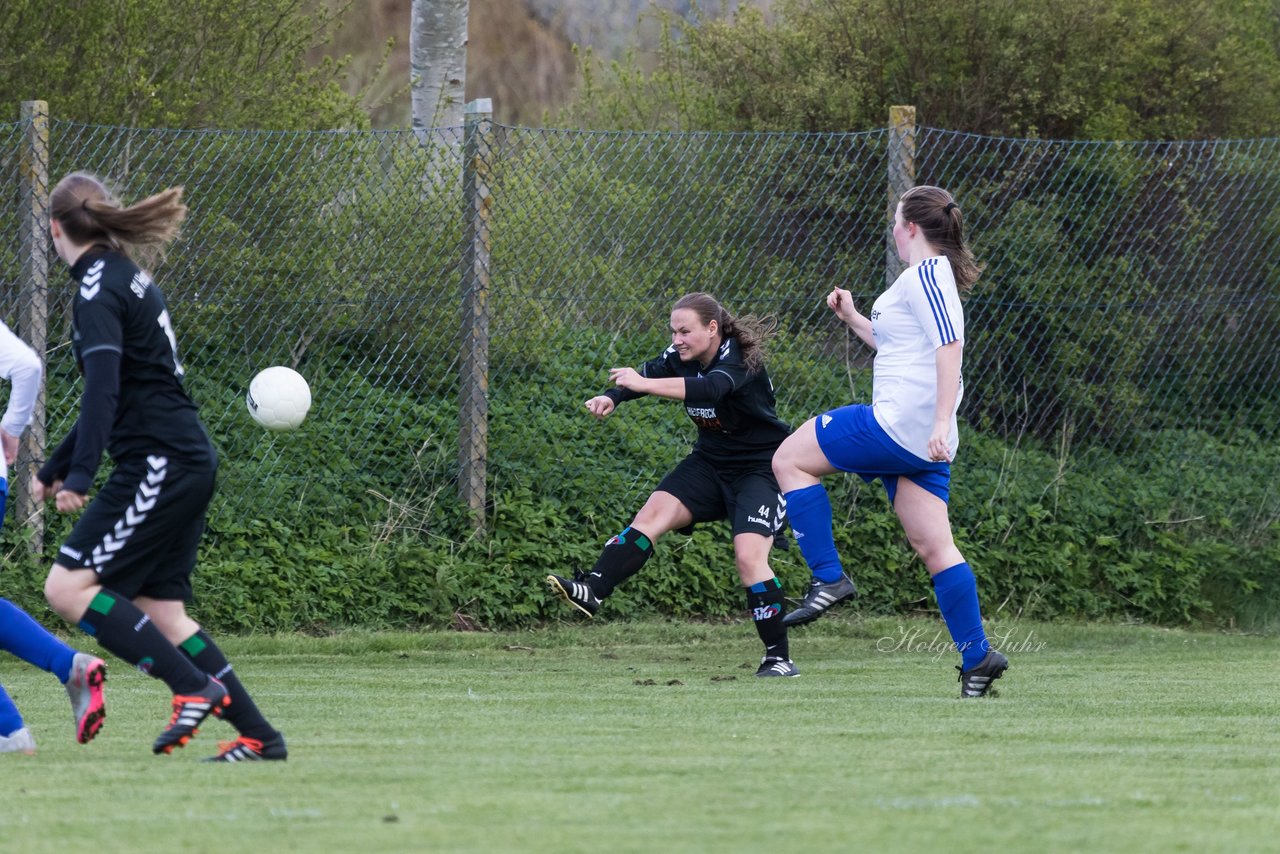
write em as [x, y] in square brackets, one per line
[786, 472]
[656, 519]
[752, 563]
[62, 596]
[790, 467]
[935, 553]
[647, 523]
[753, 573]
[782, 460]
[922, 548]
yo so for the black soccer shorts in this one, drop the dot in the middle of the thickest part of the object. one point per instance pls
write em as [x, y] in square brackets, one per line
[750, 499]
[142, 531]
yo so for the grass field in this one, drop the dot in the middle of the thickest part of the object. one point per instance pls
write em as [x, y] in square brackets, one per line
[657, 737]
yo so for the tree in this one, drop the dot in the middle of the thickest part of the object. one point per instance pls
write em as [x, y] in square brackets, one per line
[438, 62]
[1101, 69]
[175, 63]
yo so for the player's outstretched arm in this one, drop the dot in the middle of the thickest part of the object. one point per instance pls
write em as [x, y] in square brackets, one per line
[632, 380]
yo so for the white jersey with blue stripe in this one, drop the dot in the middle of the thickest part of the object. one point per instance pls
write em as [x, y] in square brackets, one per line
[21, 366]
[919, 313]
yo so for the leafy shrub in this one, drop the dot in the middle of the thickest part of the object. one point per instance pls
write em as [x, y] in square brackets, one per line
[1179, 534]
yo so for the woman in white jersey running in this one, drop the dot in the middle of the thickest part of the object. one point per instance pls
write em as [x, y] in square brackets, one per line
[907, 437]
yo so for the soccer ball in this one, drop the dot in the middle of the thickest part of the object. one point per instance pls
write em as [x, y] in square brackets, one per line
[278, 398]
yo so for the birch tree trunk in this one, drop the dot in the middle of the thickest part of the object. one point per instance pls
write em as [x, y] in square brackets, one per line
[438, 62]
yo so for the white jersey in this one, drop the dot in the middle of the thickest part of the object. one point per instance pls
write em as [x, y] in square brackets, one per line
[919, 313]
[21, 366]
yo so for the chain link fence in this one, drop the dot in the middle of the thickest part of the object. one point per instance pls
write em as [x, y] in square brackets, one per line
[452, 295]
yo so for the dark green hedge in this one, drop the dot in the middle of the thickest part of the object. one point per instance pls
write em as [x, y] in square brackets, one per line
[1174, 534]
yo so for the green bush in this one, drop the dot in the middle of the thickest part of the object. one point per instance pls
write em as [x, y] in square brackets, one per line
[1179, 534]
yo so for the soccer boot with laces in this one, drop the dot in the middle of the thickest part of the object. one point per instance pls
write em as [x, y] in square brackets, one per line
[252, 750]
[189, 711]
[18, 741]
[771, 666]
[84, 690]
[820, 596]
[577, 593]
[976, 682]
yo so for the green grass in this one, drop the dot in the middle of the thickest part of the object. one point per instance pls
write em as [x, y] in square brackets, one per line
[656, 737]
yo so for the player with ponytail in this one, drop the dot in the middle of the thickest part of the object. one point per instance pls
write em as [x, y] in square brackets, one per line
[908, 436]
[123, 574]
[715, 365]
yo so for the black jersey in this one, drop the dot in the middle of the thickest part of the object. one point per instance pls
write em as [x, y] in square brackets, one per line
[735, 411]
[118, 309]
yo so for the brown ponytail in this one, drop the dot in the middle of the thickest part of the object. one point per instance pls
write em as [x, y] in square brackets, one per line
[937, 214]
[89, 213]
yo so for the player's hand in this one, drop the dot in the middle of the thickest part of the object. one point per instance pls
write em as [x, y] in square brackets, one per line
[628, 378]
[938, 451]
[600, 406]
[41, 492]
[840, 301]
[69, 502]
[10, 443]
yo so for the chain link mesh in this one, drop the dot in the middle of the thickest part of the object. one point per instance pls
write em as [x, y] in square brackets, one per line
[10, 205]
[1129, 287]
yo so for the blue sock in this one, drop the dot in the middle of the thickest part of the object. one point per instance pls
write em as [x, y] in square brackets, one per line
[809, 510]
[30, 641]
[10, 720]
[957, 592]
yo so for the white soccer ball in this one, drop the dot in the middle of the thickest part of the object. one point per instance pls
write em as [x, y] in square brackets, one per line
[278, 398]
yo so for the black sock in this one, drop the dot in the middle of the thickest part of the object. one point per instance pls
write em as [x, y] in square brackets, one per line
[622, 558]
[764, 601]
[242, 714]
[122, 627]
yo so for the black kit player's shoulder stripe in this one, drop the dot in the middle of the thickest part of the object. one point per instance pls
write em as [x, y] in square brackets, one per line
[669, 358]
[111, 348]
[733, 383]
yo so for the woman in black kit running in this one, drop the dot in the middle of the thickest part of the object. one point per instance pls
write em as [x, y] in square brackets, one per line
[123, 574]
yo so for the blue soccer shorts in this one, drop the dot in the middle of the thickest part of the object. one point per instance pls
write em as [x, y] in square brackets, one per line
[855, 442]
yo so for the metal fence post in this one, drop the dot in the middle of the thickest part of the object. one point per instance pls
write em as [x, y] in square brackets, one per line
[33, 311]
[902, 176]
[473, 390]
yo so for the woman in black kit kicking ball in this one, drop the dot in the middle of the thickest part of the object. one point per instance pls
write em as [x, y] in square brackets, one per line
[715, 364]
